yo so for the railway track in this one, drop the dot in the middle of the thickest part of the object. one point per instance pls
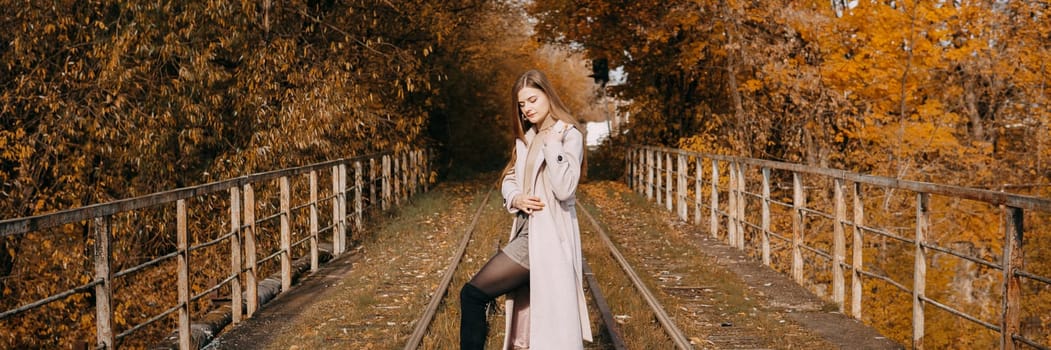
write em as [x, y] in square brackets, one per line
[614, 338]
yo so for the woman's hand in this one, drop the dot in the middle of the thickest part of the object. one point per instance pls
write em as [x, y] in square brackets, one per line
[557, 134]
[527, 204]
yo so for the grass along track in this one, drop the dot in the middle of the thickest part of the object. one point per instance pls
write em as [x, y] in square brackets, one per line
[711, 305]
[400, 265]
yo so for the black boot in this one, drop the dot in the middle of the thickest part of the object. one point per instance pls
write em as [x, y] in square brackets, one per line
[473, 325]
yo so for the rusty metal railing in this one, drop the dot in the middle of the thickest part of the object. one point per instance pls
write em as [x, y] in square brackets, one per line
[763, 207]
[379, 180]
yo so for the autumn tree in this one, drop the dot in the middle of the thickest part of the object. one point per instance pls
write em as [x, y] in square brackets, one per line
[919, 90]
[113, 99]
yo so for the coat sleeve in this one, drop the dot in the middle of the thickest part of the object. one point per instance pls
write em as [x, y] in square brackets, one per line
[509, 187]
[563, 163]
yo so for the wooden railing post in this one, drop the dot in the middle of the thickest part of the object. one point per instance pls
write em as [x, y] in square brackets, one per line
[397, 174]
[286, 233]
[640, 170]
[731, 204]
[858, 245]
[713, 219]
[627, 167]
[405, 184]
[765, 224]
[373, 170]
[798, 203]
[103, 290]
[342, 207]
[183, 273]
[632, 176]
[919, 277]
[682, 187]
[649, 174]
[419, 170]
[359, 217]
[336, 222]
[741, 205]
[839, 244]
[413, 166]
[386, 183]
[427, 170]
[251, 269]
[313, 221]
[668, 185]
[235, 255]
[1012, 284]
[697, 183]
[658, 189]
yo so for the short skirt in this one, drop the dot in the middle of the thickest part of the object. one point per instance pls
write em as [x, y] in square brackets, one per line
[518, 248]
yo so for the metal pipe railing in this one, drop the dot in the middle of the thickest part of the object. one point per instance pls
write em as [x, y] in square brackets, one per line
[646, 166]
[402, 175]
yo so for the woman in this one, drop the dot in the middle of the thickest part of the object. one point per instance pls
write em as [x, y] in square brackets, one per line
[539, 187]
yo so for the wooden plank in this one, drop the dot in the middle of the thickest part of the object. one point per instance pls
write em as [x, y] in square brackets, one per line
[1014, 260]
[183, 273]
[235, 255]
[919, 276]
[103, 291]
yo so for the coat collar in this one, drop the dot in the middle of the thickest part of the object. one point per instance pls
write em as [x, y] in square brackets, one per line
[530, 137]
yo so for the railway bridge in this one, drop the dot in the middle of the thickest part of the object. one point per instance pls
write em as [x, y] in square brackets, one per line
[687, 250]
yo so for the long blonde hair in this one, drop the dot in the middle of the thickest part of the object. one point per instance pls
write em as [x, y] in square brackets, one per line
[537, 80]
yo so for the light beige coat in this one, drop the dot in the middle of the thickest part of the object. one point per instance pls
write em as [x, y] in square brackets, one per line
[555, 296]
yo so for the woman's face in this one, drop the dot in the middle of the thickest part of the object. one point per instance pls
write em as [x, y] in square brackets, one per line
[534, 105]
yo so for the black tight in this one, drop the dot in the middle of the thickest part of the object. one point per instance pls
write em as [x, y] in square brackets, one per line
[500, 275]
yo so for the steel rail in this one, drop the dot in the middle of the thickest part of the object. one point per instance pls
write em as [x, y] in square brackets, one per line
[443, 287]
[673, 330]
